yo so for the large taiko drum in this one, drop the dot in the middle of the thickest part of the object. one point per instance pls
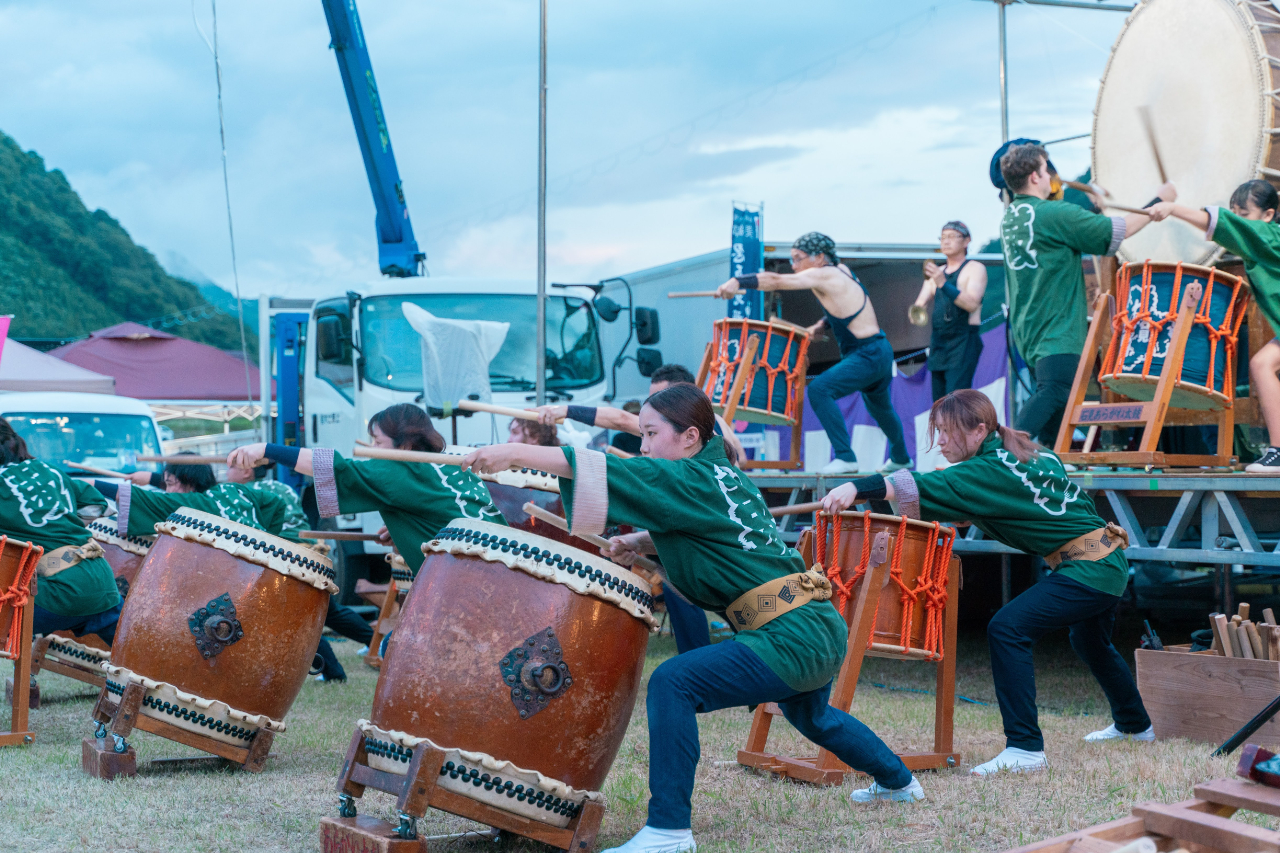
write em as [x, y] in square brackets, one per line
[519, 657]
[125, 554]
[1213, 118]
[1143, 328]
[909, 608]
[771, 393]
[17, 577]
[222, 626]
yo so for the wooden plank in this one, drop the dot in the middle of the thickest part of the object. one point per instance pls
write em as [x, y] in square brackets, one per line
[1241, 794]
[1230, 836]
[182, 736]
[1094, 845]
[1123, 830]
[380, 780]
[1111, 413]
[1206, 698]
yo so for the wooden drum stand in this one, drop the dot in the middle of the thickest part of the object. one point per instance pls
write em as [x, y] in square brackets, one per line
[17, 580]
[877, 604]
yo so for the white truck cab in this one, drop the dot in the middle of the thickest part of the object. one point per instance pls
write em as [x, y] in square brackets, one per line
[101, 430]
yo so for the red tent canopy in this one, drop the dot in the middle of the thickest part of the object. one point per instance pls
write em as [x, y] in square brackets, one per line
[153, 365]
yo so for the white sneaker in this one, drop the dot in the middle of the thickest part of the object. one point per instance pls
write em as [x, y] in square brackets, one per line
[1014, 760]
[909, 794]
[1112, 733]
[650, 840]
[1268, 464]
[838, 466]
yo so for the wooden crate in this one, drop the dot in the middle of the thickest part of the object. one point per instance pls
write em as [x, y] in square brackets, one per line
[1207, 697]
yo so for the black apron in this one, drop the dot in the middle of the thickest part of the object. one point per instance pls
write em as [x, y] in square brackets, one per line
[951, 329]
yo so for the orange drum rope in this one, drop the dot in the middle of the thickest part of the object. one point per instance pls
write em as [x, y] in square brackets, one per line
[1123, 326]
[18, 594]
[722, 367]
[930, 589]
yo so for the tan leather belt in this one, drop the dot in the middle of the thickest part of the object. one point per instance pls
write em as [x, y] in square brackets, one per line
[760, 605]
[61, 559]
[1091, 546]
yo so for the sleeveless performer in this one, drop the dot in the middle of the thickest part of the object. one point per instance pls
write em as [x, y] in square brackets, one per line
[1249, 230]
[956, 289]
[866, 363]
[1019, 494]
[415, 500]
[709, 524]
[1043, 241]
[75, 588]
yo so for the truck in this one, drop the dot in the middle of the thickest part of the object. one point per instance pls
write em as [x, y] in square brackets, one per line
[100, 430]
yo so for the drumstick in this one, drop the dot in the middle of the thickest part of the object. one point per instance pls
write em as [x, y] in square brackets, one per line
[535, 511]
[523, 414]
[186, 459]
[1094, 191]
[621, 454]
[101, 472]
[691, 294]
[408, 456]
[339, 535]
[1145, 113]
[795, 509]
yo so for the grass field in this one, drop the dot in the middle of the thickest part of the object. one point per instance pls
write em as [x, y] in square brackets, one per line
[48, 804]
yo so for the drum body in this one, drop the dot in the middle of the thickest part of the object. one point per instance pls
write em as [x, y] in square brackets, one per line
[125, 554]
[223, 623]
[1212, 119]
[1143, 330]
[16, 558]
[510, 501]
[519, 652]
[914, 547]
[771, 392]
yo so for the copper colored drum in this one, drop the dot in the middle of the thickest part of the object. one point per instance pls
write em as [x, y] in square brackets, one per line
[125, 554]
[920, 550]
[222, 626]
[510, 501]
[520, 657]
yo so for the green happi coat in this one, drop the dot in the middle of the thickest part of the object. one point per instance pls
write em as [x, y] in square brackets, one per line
[142, 509]
[38, 504]
[717, 540]
[1044, 281]
[1258, 245]
[414, 499]
[295, 520]
[1031, 506]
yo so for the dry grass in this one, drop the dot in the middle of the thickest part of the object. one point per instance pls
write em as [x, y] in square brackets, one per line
[48, 804]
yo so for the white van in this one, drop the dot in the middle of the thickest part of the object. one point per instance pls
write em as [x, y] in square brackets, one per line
[101, 430]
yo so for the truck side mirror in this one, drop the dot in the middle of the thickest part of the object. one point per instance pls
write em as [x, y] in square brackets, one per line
[648, 360]
[606, 308]
[329, 338]
[647, 329]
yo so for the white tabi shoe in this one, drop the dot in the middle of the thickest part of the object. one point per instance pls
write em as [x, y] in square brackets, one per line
[1014, 760]
[838, 466]
[1112, 733]
[910, 794]
[650, 840]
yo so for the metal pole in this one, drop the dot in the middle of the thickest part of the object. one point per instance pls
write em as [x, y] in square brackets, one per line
[1004, 77]
[264, 364]
[541, 386]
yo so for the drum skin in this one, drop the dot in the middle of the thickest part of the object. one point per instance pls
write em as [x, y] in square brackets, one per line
[262, 672]
[442, 678]
[915, 548]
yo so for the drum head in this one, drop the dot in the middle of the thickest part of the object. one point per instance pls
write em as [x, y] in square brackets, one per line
[1199, 68]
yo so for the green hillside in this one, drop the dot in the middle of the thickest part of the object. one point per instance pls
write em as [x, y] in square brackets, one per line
[66, 271]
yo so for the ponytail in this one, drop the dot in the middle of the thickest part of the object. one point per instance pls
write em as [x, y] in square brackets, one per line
[968, 409]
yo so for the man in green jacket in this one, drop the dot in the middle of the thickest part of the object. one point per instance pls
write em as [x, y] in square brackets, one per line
[1044, 280]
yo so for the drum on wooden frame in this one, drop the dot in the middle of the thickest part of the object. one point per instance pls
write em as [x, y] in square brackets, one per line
[520, 657]
[222, 626]
[771, 393]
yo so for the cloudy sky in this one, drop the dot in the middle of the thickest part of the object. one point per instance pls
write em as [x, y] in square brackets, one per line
[871, 121]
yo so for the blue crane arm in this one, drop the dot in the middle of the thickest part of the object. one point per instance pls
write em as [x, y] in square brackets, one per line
[398, 253]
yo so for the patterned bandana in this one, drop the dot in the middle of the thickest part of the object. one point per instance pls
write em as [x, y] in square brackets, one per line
[959, 227]
[815, 243]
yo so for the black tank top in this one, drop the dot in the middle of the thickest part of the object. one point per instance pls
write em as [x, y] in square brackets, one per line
[845, 339]
[951, 328]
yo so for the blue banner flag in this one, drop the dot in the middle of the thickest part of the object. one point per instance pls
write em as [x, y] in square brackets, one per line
[746, 256]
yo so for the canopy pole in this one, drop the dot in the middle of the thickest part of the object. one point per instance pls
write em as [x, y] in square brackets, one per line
[541, 379]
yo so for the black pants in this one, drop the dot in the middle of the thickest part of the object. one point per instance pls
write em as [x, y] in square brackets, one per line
[1058, 602]
[1042, 414]
[345, 621]
[961, 375]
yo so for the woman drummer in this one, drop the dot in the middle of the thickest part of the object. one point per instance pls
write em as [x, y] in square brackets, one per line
[415, 500]
[76, 589]
[718, 542]
[1019, 494]
[1249, 230]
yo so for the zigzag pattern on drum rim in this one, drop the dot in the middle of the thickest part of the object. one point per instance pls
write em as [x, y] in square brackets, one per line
[133, 544]
[172, 705]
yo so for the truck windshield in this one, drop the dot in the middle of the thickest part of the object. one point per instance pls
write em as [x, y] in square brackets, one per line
[393, 358]
[103, 441]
